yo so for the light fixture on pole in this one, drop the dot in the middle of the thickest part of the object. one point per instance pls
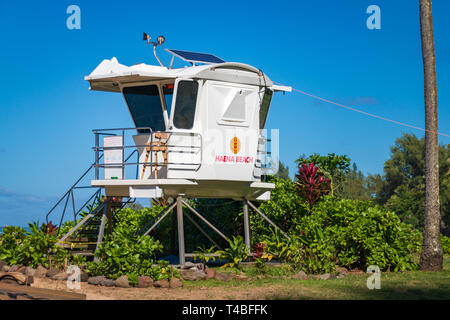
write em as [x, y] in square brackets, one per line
[159, 41]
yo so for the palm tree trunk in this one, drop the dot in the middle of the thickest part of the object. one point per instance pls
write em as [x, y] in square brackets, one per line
[431, 256]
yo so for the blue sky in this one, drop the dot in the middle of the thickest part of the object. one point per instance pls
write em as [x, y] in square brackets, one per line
[321, 47]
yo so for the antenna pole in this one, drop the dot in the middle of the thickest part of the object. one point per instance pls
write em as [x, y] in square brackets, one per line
[156, 56]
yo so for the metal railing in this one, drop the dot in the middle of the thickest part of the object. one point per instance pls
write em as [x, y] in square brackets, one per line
[150, 147]
[70, 195]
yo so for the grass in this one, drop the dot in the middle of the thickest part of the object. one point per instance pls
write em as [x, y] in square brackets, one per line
[394, 285]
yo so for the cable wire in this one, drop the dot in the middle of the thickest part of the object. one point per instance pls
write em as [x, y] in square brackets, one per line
[366, 113]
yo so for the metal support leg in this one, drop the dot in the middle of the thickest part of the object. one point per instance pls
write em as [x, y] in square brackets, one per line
[246, 226]
[181, 250]
[161, 218]
[268, 220]
[201, 230]
[209, 224]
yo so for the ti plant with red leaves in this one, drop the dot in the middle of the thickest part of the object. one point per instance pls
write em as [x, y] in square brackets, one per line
[311, 184]
[261, 256]
[49, 228]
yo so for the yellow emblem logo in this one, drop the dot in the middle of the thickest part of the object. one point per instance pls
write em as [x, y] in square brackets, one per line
[235, 145]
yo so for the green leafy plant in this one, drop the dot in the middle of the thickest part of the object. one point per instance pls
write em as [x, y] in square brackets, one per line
[445, 242]
[340, 232]
[205, 254]
[235, 253]
[119, 255]
[261, 256]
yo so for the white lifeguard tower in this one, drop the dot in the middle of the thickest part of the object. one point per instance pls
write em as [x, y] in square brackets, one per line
[198, 133]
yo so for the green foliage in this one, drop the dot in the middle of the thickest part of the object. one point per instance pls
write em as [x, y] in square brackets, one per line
[235, 253]
[10, 243]
[348, 233]
[402, 189]
[445, 243]
[308, 251]
[33, 248]
[283, 171]
[124, 252]
[205, 254]
[357, 186]
[334, 166]
[78, 260]
[261, 256]
[119, 255]
[284, 208]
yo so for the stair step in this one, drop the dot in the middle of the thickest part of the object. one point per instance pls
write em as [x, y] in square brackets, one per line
[76, 239]
[86, 232]
[86, 253]
[74, 246]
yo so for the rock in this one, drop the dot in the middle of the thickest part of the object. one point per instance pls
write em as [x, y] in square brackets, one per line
[342, 270]
[201, 266]
[188, 265]
[192, 274]
[144, 282]
[175, 283]
[96, 280]
[15, 277]
[5, 268]
[301, 275]
[240, 277]
[15, 267]
[326, 276]
[161, 283]
[40, 272]
[341, 276]
[122, 282]
[29, 271]
[2, 264]
[22, 269]
[52, 271]
[224, 276]
[84, 276]
[210, 273]
[108, 283]
[62, 275]
[356, 271]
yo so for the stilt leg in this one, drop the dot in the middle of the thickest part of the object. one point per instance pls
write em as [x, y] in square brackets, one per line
[246, 226]
[181, 250]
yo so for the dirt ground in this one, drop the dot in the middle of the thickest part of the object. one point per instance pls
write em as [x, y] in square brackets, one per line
[93, 292]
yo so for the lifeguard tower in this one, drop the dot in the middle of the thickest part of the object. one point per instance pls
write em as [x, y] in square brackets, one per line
[198, 134]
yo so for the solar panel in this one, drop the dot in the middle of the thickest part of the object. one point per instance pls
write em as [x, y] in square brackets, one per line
[195, 57]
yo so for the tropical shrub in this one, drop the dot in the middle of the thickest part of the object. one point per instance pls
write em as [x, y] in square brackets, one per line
[445, 242]
[308, 252]
[311, 183]
[284, 208]
[33, 248]
[125, 251]
[336, 167]
[205, 254]
[348, 233]
[118, 255]
[10, 242]
[261, 256]
[235, 253]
